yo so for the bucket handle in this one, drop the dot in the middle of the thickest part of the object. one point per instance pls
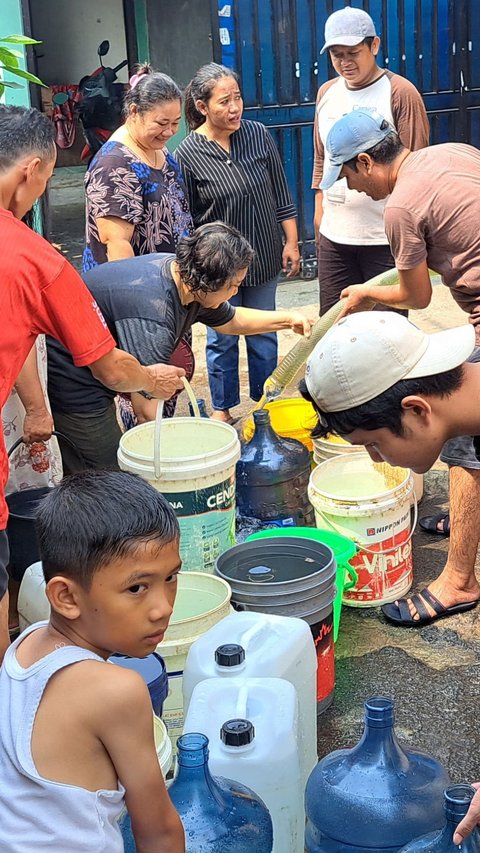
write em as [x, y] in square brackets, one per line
[337, 529]
[353, 577]
[57, 434]
[158, 425]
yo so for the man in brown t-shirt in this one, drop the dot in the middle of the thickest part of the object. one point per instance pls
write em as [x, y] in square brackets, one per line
[431, 221]
[349, 229]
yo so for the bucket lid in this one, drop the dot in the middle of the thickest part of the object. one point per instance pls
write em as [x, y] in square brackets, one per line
[237, 733]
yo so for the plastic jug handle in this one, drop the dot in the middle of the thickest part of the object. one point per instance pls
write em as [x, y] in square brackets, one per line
[242, 702]
[252, 632]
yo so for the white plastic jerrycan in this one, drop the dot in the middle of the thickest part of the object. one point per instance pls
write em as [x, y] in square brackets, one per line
[252, 727]
[33, 604]
[270, 646]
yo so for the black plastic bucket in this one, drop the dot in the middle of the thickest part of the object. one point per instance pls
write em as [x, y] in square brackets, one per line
[22, 507]
[288, 576]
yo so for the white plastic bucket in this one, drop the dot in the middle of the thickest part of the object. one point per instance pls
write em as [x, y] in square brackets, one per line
[197, 461]
[370, 504]
[163, 745]
[202, 601]
[333, 445]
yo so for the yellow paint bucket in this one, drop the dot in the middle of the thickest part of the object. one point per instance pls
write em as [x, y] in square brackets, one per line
[290, 418]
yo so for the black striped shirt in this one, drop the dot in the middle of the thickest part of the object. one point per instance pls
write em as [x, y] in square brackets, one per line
[246, 188]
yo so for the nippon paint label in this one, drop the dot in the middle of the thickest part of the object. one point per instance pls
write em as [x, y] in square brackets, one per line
[207, 523]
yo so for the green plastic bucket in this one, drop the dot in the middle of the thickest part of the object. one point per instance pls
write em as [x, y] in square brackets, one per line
[344, 549]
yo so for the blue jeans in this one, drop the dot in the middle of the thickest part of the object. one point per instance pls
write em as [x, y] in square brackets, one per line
[222, 351]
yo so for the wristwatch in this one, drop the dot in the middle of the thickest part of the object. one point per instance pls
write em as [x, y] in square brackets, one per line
[146, 395]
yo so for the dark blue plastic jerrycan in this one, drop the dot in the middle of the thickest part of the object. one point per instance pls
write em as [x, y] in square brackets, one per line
[457, 802]
[375, 797]
[272, 478]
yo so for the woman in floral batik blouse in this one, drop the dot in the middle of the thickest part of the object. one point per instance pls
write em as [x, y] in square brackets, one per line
[135, 195]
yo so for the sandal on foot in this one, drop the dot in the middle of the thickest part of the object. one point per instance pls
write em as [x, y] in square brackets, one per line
[430, 523]
[399, 614]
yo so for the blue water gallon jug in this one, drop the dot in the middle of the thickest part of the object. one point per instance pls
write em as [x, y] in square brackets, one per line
[375, 797]
[457, 802]
[153, 671]
[218, 815]
[272, 477]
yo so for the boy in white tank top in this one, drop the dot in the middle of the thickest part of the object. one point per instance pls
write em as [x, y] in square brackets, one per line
[76, 733]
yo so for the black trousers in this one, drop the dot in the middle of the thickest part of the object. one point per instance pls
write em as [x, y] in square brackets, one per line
[340, 265]
[96, 436]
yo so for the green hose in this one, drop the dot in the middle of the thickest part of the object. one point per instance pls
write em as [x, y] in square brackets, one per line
[288, 368]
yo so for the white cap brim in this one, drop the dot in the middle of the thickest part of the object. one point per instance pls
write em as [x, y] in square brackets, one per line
[445, 350]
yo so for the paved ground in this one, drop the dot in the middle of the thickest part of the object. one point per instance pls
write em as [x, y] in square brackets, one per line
[433, 673]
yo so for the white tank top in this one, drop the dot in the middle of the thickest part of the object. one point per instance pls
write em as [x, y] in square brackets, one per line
[36, 814]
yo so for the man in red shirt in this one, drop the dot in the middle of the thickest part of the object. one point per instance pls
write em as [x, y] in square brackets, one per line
[41, 293]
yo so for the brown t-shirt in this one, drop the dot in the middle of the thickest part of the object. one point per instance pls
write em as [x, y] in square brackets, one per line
[433, 214]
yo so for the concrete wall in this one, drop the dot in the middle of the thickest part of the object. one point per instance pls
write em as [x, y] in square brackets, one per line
[71, 32]
[179, 33]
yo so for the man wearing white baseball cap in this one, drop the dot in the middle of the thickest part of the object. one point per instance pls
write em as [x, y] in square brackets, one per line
[349, 232]
[377, 380]
[431, 220]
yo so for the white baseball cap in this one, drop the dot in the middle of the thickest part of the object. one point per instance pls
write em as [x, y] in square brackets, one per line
[364, 354]
[348, 27]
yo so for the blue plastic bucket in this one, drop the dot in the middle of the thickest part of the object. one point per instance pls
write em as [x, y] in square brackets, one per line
[154, 673]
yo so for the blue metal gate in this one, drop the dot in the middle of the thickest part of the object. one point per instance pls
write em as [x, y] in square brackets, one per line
[275, 46]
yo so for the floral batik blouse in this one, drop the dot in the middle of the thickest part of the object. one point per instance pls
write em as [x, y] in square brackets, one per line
[118, 184]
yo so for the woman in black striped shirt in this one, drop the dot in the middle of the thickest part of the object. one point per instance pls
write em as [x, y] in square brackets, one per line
[233, 173]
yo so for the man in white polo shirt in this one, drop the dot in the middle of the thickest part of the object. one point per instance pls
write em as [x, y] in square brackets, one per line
[351, 240]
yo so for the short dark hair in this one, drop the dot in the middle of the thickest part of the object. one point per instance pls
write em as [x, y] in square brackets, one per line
[383, 152]
[200, 88]
[24, 131]
[385, 410]
[95, 517]
[212, 256]
[152, 89]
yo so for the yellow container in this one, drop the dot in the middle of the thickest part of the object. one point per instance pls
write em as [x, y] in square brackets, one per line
[290, 418]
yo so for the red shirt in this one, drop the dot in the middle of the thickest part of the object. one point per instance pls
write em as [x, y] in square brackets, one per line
[40, 293]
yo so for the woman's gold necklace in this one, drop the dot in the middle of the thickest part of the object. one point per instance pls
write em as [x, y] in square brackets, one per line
[144, 152]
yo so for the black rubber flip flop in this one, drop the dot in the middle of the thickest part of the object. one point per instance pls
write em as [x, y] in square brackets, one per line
[399, 614]
[430, 523]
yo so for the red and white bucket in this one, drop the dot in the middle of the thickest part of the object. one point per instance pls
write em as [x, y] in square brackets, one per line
[370, 504]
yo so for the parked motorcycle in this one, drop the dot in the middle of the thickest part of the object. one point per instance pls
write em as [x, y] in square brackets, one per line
[99, 104]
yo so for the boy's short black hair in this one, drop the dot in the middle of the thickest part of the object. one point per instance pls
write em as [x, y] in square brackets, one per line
[385, 410]
[95, 517]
